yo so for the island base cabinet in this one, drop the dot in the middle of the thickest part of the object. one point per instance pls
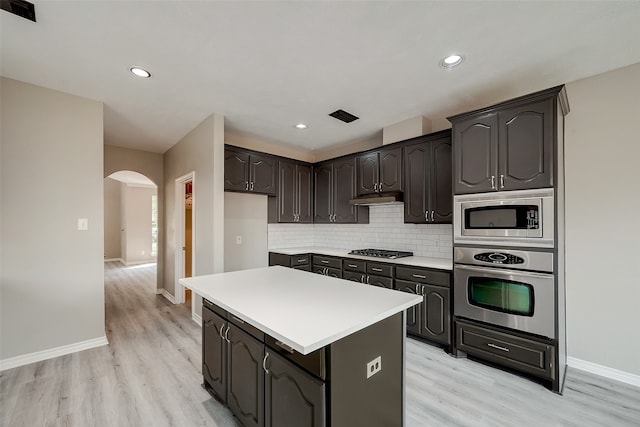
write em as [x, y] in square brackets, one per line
[214, 353]
[293, 398]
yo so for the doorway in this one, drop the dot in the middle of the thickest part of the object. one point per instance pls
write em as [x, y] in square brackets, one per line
[185, 235]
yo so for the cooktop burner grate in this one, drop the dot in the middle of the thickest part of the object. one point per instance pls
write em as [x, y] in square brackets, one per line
[381, 253]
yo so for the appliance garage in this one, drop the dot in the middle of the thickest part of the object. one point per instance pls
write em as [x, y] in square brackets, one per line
[508, 235]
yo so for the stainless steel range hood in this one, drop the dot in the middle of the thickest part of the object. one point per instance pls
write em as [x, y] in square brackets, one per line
[389, 197]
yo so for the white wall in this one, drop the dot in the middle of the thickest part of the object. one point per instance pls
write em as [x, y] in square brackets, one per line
[245, 215]
[602, 149]
[136, 223]
[112, 222]
[52, 275]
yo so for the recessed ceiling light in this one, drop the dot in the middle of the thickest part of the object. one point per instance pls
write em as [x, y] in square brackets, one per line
[451, 61]
[140, 72]
[301, 126]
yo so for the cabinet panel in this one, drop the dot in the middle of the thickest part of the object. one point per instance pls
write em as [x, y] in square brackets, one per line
[475, 155]
[367, 173]
[441, 191]
[383, 282]
[292, 397]
[354, 265]
[354, 276]
[436, 314]
[286, 192]
[416, 190]
[214, 354]
[390, 175]
[236, 170]
[344, 189]
[413, 313]
[245, 394]
[303, 193]
[526, 146]
[262, 173]
[322, 193]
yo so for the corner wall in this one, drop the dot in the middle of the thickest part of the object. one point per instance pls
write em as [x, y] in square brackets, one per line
[51, 274]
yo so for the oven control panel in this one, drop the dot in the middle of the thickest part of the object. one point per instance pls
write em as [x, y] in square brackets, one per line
[498, 258]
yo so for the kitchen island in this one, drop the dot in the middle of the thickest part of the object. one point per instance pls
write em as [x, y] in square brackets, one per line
[283, 347]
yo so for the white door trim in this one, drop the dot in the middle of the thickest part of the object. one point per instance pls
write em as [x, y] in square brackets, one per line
[180, 237]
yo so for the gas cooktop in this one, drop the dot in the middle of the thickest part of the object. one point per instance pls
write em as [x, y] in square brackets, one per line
[381, 253]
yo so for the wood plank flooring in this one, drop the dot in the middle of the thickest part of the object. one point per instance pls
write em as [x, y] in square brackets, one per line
[150, 375]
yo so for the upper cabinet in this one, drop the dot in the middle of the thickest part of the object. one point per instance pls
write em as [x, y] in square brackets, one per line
[248, 171]
[427, 180]
[293, 199]
[509, 146]
[380, 171]
[334, 184]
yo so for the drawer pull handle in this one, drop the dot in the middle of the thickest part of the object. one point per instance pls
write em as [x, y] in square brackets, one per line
[376, 269]
[324, 261]
[419, 276]
[264, 363]
[238, 320]
[284, 347]
[352, 265]
[222, 332]
[498, 347]
[302, 260]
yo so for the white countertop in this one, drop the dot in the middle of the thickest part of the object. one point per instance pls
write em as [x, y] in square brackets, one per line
[414, 261]
[305, 311]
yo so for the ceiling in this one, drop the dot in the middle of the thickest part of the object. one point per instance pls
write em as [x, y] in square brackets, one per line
[269, 65]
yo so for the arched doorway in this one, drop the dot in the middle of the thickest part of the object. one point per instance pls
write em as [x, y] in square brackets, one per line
[130, 218]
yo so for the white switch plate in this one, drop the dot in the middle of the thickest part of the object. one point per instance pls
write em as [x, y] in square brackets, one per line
[238, 240]
[374, 366]
[83, 224]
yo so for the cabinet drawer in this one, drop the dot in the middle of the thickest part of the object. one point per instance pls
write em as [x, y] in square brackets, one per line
[354, 276]
[379, 269]
[383, 282]
[211, 306]
[422, 275]
[326, 261]
[354, 265]
[257, 333]
[299, 260]
[314, 363]
[306, 267]
[527, 355]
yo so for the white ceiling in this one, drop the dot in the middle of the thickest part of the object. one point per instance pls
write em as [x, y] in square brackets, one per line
[269, 65]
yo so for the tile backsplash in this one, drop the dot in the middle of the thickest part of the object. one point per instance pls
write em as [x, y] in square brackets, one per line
[386, 230]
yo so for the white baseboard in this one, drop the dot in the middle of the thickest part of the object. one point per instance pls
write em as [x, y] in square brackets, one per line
[142, 261]
[114, 260]
[604, 371]
[14, 362]
[167, 295]
[196, 318]
[159, 291]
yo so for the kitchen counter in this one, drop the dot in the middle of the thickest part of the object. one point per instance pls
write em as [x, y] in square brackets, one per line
[415, 261]
[305, 311]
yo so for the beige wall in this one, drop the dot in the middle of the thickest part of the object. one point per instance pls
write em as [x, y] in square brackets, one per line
[201, 151]
[245, 215]
[136, 223]
[51, 284]
[112, 219]
[602, 150]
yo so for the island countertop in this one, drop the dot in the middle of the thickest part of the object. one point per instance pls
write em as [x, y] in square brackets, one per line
[305, 311]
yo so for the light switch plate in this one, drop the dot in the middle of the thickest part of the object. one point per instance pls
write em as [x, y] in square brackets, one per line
[83, 224]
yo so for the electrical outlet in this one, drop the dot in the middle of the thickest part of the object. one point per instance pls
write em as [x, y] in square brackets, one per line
[83, 224]
[374, 366]
[238, 240]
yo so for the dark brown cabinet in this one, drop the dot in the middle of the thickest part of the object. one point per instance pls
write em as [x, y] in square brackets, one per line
[428, 197]
[509, 146]
[292, 397]
[214, 352]
[328, 266]
[380, 171]
[293, 199]
[431, 319]
[299, 262]
[334, 184]
[248, 171]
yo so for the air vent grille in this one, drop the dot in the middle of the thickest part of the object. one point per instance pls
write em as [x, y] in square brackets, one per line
[343, 116]
[19, 7]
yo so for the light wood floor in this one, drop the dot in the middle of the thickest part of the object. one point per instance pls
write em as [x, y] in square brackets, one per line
[149, 375]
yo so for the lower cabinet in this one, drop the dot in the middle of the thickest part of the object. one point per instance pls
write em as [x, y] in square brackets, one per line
[431, 319]
[326, 265]
[293, 398]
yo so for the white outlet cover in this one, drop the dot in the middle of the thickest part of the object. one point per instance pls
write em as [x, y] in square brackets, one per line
[83, 224]
[238, 240]
[374, 366]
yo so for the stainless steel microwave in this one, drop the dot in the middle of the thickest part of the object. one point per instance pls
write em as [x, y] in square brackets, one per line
[508, 218]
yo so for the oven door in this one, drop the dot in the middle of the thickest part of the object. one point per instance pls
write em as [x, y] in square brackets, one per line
[520, 300]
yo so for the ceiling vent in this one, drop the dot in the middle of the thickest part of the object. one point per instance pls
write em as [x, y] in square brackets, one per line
[344, 116]
[19, 7]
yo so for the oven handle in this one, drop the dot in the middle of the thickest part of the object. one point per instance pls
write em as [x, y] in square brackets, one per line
[501, 272]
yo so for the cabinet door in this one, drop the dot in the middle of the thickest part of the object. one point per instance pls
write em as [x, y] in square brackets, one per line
[322, 193]
[236, 170]
[413, 313]
[293, 398]
[416, 183]
[526, 146]
[214, 354]
[441, 194]
[436, 314]
[353, 276]
[286, 192]
[475, 145]
[390, 175]
[367, 173]
[262, 174]
[245, 394]
[334, 272]
[303, 193]
[344, 189]
[383, 282]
